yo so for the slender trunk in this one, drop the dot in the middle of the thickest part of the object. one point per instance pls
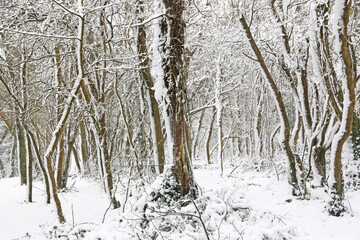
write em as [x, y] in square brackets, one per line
[348, 84]
[257, 126]
[29, 172]
[59, 101]
[41, 165]
[355, 137]
[57, 133]
[154, 113]
[21, 152]
[296, 131]
[196, 138]
[76, 159]
[285, 128]
[219, 113]
[67, 162]
[13, 158]
[208, 139]
[60, 157]
[272, 148]
[84, 147]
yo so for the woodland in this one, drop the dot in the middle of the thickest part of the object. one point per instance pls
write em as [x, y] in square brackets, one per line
[180, 117]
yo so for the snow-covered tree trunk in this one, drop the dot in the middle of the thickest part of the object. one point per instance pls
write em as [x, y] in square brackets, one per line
[83, 146]
[41, 165]
[58, 132]
[208, 137]
[342, 11]
[154, 113]
[95, 98]
[170, 88]
[284, 134]
[219, 113]
[258, 146]
[21, 152]
[29, 169]
[60, 156]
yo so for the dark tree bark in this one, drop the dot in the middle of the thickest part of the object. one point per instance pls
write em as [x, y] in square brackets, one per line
[173, 25]
[21, 152]
[208, 139]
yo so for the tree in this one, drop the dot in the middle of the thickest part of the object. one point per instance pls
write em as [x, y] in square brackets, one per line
[285, 127]
[170, 88]
[147, 81]
[348, 79]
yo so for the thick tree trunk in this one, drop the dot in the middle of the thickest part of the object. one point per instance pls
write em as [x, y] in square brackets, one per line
[171, 54]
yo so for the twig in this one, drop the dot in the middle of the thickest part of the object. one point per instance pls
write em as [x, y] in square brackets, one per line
[67, 9]
[240, 233]
[234, 169]
[223, 217]
[38, 34]
[157, 229]
[350, 208]
[128, 185]
[72, 215]
[200, 218]
[275, 168]
[103, 220]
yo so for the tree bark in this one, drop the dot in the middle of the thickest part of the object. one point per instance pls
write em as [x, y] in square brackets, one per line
[174, 99]
[21, 152]
[348, 83]
[208, 139]
[41, 165]
[144, 70]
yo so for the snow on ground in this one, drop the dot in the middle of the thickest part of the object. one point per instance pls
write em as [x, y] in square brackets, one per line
[244, 205]
[85, 200]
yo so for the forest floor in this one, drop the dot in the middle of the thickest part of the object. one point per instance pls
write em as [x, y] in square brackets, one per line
[244, 205]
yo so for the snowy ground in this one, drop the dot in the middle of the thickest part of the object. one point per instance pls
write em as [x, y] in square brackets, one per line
[241, 206]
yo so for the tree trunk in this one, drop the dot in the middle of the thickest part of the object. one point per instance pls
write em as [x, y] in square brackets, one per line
[348, 84]
[41, 165]
[29, 169]
[21, 152]
[59, 101]
[285, 128]
[196, 138]
[60, 157]
[208, 139]
[257, 125]
[219, 113]
[170, 58]
[144, 70]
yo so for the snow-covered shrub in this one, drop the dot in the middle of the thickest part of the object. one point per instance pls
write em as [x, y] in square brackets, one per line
[336, 206]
